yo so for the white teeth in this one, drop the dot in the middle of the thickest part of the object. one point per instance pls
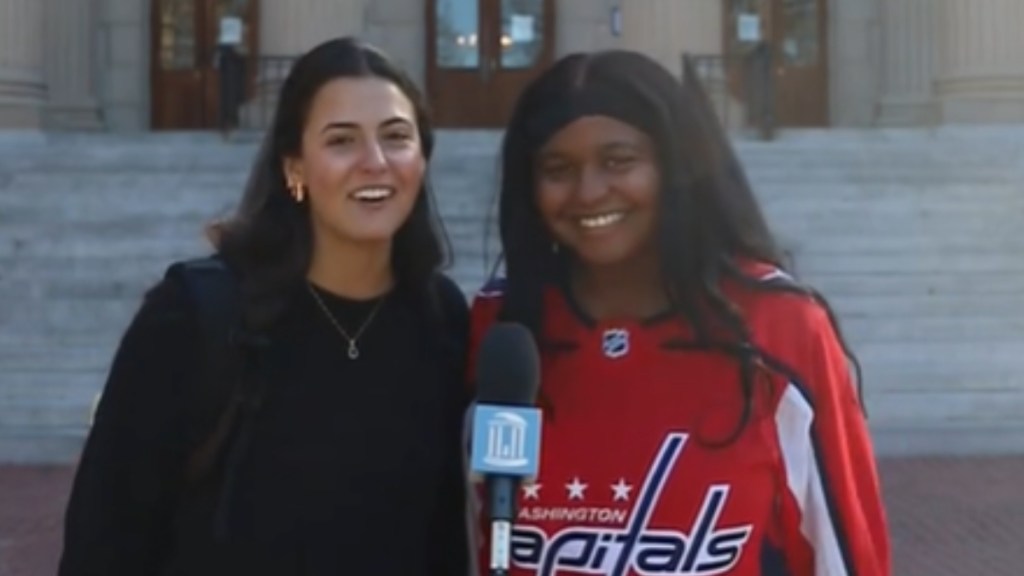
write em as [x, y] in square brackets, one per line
[373, 193]
[601, 220]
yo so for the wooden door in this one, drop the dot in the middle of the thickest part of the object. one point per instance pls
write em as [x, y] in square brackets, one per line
[481, 53]
[799, 36]
[178, 100]
[184, 78]
[795, 35]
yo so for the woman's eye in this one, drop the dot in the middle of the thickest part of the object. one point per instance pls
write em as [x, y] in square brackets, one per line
[554, 170]
[620, 162]
[339, 140]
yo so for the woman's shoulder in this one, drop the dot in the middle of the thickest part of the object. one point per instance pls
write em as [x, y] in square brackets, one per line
[445, 310]
[176, 304]
[450, 293]
[785, 314]
[766, 289]
[487, 300]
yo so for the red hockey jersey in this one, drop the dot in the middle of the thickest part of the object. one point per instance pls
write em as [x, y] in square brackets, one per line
[632, 481]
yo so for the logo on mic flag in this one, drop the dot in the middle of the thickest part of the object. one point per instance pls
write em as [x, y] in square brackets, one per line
[506, 440]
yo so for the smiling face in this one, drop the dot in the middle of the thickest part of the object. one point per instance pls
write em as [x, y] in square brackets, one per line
[361, 163]
[597, 190]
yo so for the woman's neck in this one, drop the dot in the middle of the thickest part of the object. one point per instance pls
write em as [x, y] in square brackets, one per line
[633, 289]
[351, 270]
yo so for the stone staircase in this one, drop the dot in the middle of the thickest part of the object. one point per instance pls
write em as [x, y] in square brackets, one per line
[912, 234]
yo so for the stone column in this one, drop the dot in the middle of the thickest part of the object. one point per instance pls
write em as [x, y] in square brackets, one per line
[22, 85]
[981, 68]
[585, 25]
[909, 62]
[290, 28]
[667, 29]
[854, 61]
[70, 69]
[399, 27]
[287, 29]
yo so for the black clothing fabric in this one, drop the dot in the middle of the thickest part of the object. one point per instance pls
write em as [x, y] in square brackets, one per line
[352, 466]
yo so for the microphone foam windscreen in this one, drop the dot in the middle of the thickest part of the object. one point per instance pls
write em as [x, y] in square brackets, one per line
[508, 366]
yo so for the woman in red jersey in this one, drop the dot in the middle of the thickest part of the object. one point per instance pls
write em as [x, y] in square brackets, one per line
[700, 414]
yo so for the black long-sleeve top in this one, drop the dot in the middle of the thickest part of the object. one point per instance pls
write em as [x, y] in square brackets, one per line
[353, 467]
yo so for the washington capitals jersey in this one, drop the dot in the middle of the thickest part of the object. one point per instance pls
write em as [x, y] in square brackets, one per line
[643, 468]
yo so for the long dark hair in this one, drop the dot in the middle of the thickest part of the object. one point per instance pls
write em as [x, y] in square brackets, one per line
[708, 219]
[268, 242]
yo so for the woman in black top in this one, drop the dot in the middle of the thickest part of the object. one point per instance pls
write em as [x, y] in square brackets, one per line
[320, 436]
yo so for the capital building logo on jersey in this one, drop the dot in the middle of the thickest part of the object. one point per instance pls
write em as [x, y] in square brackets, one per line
[616, 542]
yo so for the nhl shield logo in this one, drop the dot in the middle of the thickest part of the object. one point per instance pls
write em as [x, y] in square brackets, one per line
[615, 342]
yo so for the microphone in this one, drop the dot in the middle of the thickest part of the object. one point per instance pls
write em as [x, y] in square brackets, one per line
[505, 444]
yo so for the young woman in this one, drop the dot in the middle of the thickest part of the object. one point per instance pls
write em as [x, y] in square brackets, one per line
[699, 414]
[337, 450]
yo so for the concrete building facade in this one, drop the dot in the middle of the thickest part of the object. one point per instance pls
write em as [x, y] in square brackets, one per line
[139, 65]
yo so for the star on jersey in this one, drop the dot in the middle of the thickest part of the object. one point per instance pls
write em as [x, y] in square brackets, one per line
[621, 490]
[576, 489]
[531, 491]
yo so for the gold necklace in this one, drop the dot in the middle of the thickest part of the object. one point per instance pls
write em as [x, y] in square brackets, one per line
[353, 348]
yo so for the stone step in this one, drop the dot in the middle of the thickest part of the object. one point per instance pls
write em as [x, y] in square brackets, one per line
[41, 198]
[902, 327]
[944, 281]
[48, 260]
[97, 149]
[47, 413]
[78, 317]
[950, 438]
[156, 237]
[29, 445]
[44, 360]
[952, 405]
[212, 187]
[808, 234]
[761, 170]
[65, 403]
[41, 369]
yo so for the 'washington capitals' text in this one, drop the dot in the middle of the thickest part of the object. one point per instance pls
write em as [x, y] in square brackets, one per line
[636, 547]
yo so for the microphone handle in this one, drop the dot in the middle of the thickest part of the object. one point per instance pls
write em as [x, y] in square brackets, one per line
[501, 491]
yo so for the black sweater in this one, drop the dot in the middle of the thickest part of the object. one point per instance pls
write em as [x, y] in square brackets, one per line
[353, 466]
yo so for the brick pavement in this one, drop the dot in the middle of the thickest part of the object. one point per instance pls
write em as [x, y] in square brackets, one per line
[949, 517]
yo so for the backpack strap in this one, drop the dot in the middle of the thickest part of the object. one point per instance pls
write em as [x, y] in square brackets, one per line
[213, 290]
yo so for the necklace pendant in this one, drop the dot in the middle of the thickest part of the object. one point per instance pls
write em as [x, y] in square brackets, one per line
[353, 351]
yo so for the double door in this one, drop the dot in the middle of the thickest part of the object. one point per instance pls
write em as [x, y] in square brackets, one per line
[184, 74]
[795, 33]
[480, 55]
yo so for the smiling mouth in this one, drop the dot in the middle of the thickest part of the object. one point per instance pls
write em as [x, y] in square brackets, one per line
[599, 221]
[373, 194]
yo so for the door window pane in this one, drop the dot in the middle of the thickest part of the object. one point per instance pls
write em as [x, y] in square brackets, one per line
[177, 34]
[522, 33]
[231, 25]
[799, 46]
[745, 20]
[458, 34]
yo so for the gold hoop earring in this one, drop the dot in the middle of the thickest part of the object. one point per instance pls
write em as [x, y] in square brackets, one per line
[298, 192]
